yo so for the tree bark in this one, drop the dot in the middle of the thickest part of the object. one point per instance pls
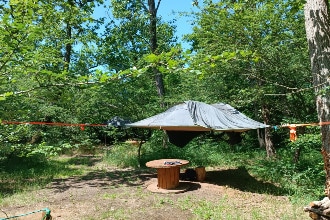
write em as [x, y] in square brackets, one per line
[318, 37]
[153, 47]
[153, 25]
[271, 152]
[68, 46]
[261, 138]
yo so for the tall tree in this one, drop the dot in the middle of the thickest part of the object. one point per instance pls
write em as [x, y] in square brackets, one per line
[46, 48]
[43, 35]
[317, 22]
[254, 54]
[152, 10]
[140, 16]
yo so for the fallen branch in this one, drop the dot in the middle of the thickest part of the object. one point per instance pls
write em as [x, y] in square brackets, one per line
[319, 210]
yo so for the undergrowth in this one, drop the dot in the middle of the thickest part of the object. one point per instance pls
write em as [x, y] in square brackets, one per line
[302, 180]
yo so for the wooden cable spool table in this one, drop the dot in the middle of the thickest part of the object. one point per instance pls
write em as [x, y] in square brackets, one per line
[168, 171]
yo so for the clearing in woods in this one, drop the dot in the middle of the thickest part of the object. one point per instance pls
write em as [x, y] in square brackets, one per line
[105, 192]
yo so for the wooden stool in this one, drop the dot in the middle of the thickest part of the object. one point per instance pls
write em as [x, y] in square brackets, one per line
[200, 173]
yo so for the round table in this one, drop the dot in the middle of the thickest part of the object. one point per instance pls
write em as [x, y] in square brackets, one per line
[168, 171]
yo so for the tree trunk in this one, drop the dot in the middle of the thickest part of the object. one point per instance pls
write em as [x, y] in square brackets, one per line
[68, 46]
[153, 25]
[153, 47]
[271, 152]
[318, 37]
[261, 137]
[260, 132]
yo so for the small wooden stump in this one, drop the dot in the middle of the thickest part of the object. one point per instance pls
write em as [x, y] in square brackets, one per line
[168, 178]
[200, 173]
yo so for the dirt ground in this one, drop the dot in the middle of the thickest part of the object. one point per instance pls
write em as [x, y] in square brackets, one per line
[109, 193]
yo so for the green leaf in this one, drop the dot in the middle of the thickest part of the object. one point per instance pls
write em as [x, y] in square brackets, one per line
[172, 63]
[162, 69]
[245, 53]
[104, 78]
[151, 58]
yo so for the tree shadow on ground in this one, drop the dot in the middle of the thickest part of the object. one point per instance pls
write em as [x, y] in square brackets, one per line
[105, 179]
[115, 178]
[88, 160]
[240, 179]
[22, 173]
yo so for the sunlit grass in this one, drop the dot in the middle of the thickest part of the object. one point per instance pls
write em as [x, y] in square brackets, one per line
[239, 209]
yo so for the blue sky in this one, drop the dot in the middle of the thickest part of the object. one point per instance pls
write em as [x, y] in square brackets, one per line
[169, 10]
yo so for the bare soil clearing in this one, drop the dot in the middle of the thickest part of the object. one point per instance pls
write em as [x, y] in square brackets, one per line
[110, 193]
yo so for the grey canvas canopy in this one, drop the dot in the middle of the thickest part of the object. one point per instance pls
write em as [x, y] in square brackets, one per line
[192, 117]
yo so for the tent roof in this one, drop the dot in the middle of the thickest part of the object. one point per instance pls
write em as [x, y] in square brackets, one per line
[198, 116]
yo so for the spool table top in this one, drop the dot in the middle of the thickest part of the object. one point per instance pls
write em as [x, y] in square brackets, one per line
[166, 163]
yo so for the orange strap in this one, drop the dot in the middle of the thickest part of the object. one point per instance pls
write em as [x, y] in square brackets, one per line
[293, 133]
[82, 126]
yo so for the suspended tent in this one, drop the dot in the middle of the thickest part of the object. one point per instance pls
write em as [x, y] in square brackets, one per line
[187, 120]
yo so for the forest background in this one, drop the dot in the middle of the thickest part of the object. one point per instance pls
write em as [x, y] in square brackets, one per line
[61, 63]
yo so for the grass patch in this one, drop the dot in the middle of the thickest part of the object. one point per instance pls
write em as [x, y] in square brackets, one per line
[243, 209]
[22, 174]
[122, 156]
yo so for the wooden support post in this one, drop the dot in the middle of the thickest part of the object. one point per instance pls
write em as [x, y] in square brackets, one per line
[168, 178]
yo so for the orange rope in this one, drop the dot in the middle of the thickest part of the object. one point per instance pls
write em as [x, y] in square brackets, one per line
[293, 128]
[82, 126]
[309, 124]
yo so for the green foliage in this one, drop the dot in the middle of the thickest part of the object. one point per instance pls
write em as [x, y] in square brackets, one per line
[303, 178]
[307, 142]
[301, 175]
[126, 37]
[48, 151]
[46, 48]
[252, 54]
